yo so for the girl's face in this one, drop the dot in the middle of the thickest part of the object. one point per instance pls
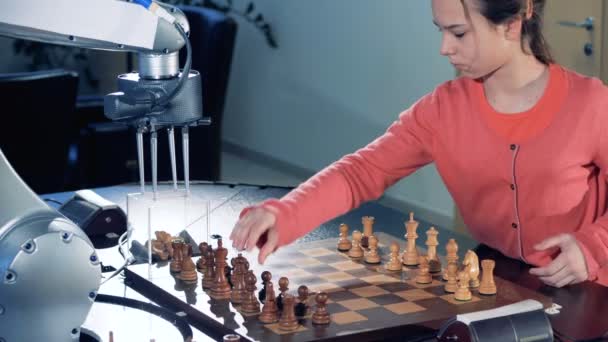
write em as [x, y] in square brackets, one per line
[474, 46]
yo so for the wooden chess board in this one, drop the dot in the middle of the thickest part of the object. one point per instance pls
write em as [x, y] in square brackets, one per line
[362, 298]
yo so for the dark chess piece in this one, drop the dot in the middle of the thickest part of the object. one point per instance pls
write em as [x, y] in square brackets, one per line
[238, 279]
[301, 309]
[220, 288]
[176, 262]
[250, 304]
[228, 272]
[200, 264]
[266, 277]
[209, 275]
[321, 316]
[283, 287]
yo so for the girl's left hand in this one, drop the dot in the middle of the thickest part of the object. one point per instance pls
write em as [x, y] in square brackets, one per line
[568, 268]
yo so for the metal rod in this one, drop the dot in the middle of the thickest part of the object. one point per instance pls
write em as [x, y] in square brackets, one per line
[186, 151]
[171, 136]
[154, 152]
[140, 159]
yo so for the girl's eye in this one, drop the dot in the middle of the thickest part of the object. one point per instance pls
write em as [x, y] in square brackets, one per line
[459, 35]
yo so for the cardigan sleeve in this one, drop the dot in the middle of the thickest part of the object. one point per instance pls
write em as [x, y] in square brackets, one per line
[406, 146]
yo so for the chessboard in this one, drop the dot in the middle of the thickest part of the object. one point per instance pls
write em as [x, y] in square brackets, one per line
[364, 299]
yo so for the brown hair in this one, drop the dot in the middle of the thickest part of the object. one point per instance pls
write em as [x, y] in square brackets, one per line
[531, 12]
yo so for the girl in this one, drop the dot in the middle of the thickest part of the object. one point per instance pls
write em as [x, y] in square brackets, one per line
[520, 142]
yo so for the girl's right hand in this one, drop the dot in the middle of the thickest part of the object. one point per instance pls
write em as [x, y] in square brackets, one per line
[256, 228]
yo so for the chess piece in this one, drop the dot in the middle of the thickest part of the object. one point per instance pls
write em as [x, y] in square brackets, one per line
[200, 264]
[288, 321]
[167, 241]
[321, 316]
[471, 264]
[368, 230]
[188, 273]
[487, 286]
[423, 276]
[250, 304]
[356, 251]
[463, 293]
[372, 257]
[269, 311]
[266, 277]
[220, 288]
[432, 243]
[158, 249]
[344, 244]
[451, 255]
[238, 280]
[176, 262]
[283, 287]
[452, 272]
[301, 308]
[209, 275]
[410, 255]
[394, 264]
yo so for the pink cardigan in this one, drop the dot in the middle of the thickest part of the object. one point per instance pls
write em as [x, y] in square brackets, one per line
[511, 196]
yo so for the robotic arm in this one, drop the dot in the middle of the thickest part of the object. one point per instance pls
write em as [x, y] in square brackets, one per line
[49, 270]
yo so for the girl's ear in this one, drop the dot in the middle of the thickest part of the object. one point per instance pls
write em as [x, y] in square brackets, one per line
[513, 28]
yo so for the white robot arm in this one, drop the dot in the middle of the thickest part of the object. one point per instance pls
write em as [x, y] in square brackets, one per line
[49, 270]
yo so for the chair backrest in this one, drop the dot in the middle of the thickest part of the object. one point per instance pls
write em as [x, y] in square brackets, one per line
[37, 120]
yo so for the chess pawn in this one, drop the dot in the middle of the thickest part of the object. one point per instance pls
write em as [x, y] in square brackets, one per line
[372, 257]
[238, 280]
[423, 276]
[200, 264]
[176, 263]
[288, 321]
[321, 316]
[266, 277]
[209, 275]
[487, 286]
[250, 304]
[188, 273]
[269, 311]
[301, 308]
[394, 264]
[452, 272]
[344, 243]
[463, 293]
[451, 255]
[356, 251]
[432, 243]
[283, 287]
[368, 224]
[410, 255]
[471, 264]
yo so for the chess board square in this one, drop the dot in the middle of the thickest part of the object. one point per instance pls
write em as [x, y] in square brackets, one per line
[334, 308]
[386, 299]
[379, 279]
[450, 299]
[325, 287]
[362, 272]
[346, 265]
[320, 269]
[395, 287]
[358, 304]
[342, 295]
[351, 283]
[295, 273]
[347, 317]
[336, 276]
[414, 295]
[369, 291]
[333, 258]
[404, 308]
[275, 328]
[304, 262]
[316, 252]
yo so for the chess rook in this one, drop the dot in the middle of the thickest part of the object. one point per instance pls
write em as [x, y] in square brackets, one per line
[487, 286]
